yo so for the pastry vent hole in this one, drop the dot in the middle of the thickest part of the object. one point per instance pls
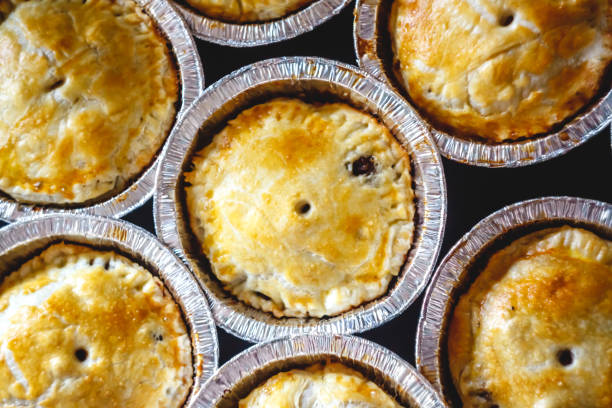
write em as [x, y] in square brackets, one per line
[506, 19]
[364, 165]
[302, 207]
[81, 354]
[56, 84]
[565, 357]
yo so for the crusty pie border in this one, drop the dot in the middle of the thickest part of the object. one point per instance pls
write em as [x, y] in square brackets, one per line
[236, 378]
[23, 240]
[189, 66]
[297, 76]
[454, 271]
[371, 56]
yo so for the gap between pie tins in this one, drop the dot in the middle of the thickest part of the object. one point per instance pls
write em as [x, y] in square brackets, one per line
[26, 238]
[374, 55]
[297, 76]
[263, 33]
[235, 379]
[456, 272]
[189, 67]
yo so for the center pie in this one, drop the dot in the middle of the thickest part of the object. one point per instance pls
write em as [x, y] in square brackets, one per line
[248, 11]
[501, 70]
[87, 94]
[535, 328]
[86, 328]
[302, 209]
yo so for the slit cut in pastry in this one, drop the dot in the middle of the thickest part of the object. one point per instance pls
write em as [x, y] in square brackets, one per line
[86, 328]
[320, 385]
[87, 97]
[302, 209]
[248, 11]
[535, 328]
[501, 70]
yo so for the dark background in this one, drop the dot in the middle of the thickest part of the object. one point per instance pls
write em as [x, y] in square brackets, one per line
[473, 193]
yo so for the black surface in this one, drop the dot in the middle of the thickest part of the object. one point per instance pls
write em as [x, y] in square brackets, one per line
[473, 193]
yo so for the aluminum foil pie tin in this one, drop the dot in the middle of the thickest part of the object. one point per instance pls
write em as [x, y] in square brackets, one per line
[189, 66]
[23, 240]
[303, 77]
[255, 34]
[456, 271]
[374, 54]
[247, 370]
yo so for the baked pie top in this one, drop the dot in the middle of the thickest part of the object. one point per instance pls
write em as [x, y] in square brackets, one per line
[86, 328]
[87, 94]
[320, 385]
[535, 328]
[302, 209]
[501, 69]
[248, 11]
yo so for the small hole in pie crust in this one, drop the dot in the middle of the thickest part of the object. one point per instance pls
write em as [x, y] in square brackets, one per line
[80, 354]
[565, 357]
[56, 84]
[302, 207]
[506, 19]
[364, 165]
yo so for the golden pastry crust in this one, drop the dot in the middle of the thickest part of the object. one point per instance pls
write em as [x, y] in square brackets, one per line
[535, 328]
[320, 385]
[87, 94]
[303, 209]
[248, 11]
[81, 327]
[501, 70]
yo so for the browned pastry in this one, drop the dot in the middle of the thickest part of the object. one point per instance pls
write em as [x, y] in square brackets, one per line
[87, 94]
[498, 69]
[535, 328]
[248, 11]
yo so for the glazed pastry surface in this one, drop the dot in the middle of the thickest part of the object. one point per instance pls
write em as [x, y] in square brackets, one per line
[501, 70]
[86, 328]
[302, 209]
[87, 94]
[248, 11]
[332, 385]
[535, 328]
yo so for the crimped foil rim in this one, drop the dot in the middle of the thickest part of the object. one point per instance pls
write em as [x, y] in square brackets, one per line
[136, 193]
[474, 152]
[139, 244]
[426, 170]
[255, 34]
[411, 388]
[454, 267]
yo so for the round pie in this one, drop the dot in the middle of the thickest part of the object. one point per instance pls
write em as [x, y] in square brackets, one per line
[302, 209]
[87, 97]
[248, 11]
[501, 70]
[321, 385]
[535, 328]
[86, 328]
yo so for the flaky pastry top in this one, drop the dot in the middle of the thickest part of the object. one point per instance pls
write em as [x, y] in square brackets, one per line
[248, 11]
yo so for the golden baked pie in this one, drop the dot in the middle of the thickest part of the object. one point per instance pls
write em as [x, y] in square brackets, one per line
[321, 385]
[501, 70]
[87, 95]
[535, 328]
[86, 328]
[248, 11]
[303, 209]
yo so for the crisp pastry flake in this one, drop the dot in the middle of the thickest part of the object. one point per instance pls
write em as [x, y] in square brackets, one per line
[501, 70]
[330, 385]
[248, 11]
[303, 209]
[86, 328]
[535, 328]
[87, 95]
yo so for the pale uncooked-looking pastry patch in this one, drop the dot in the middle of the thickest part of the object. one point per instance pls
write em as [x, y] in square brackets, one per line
[321, 385]
[303, 209]
[86, 328]
[248, 11]
[535, 328]
[87, 94]
[501, 69]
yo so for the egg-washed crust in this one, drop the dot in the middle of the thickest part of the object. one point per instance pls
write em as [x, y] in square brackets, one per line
[248, 11]
[501, 70]
[542, 302]
[71, 297]
[319, 385]
[87, 97]
[283, 212]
